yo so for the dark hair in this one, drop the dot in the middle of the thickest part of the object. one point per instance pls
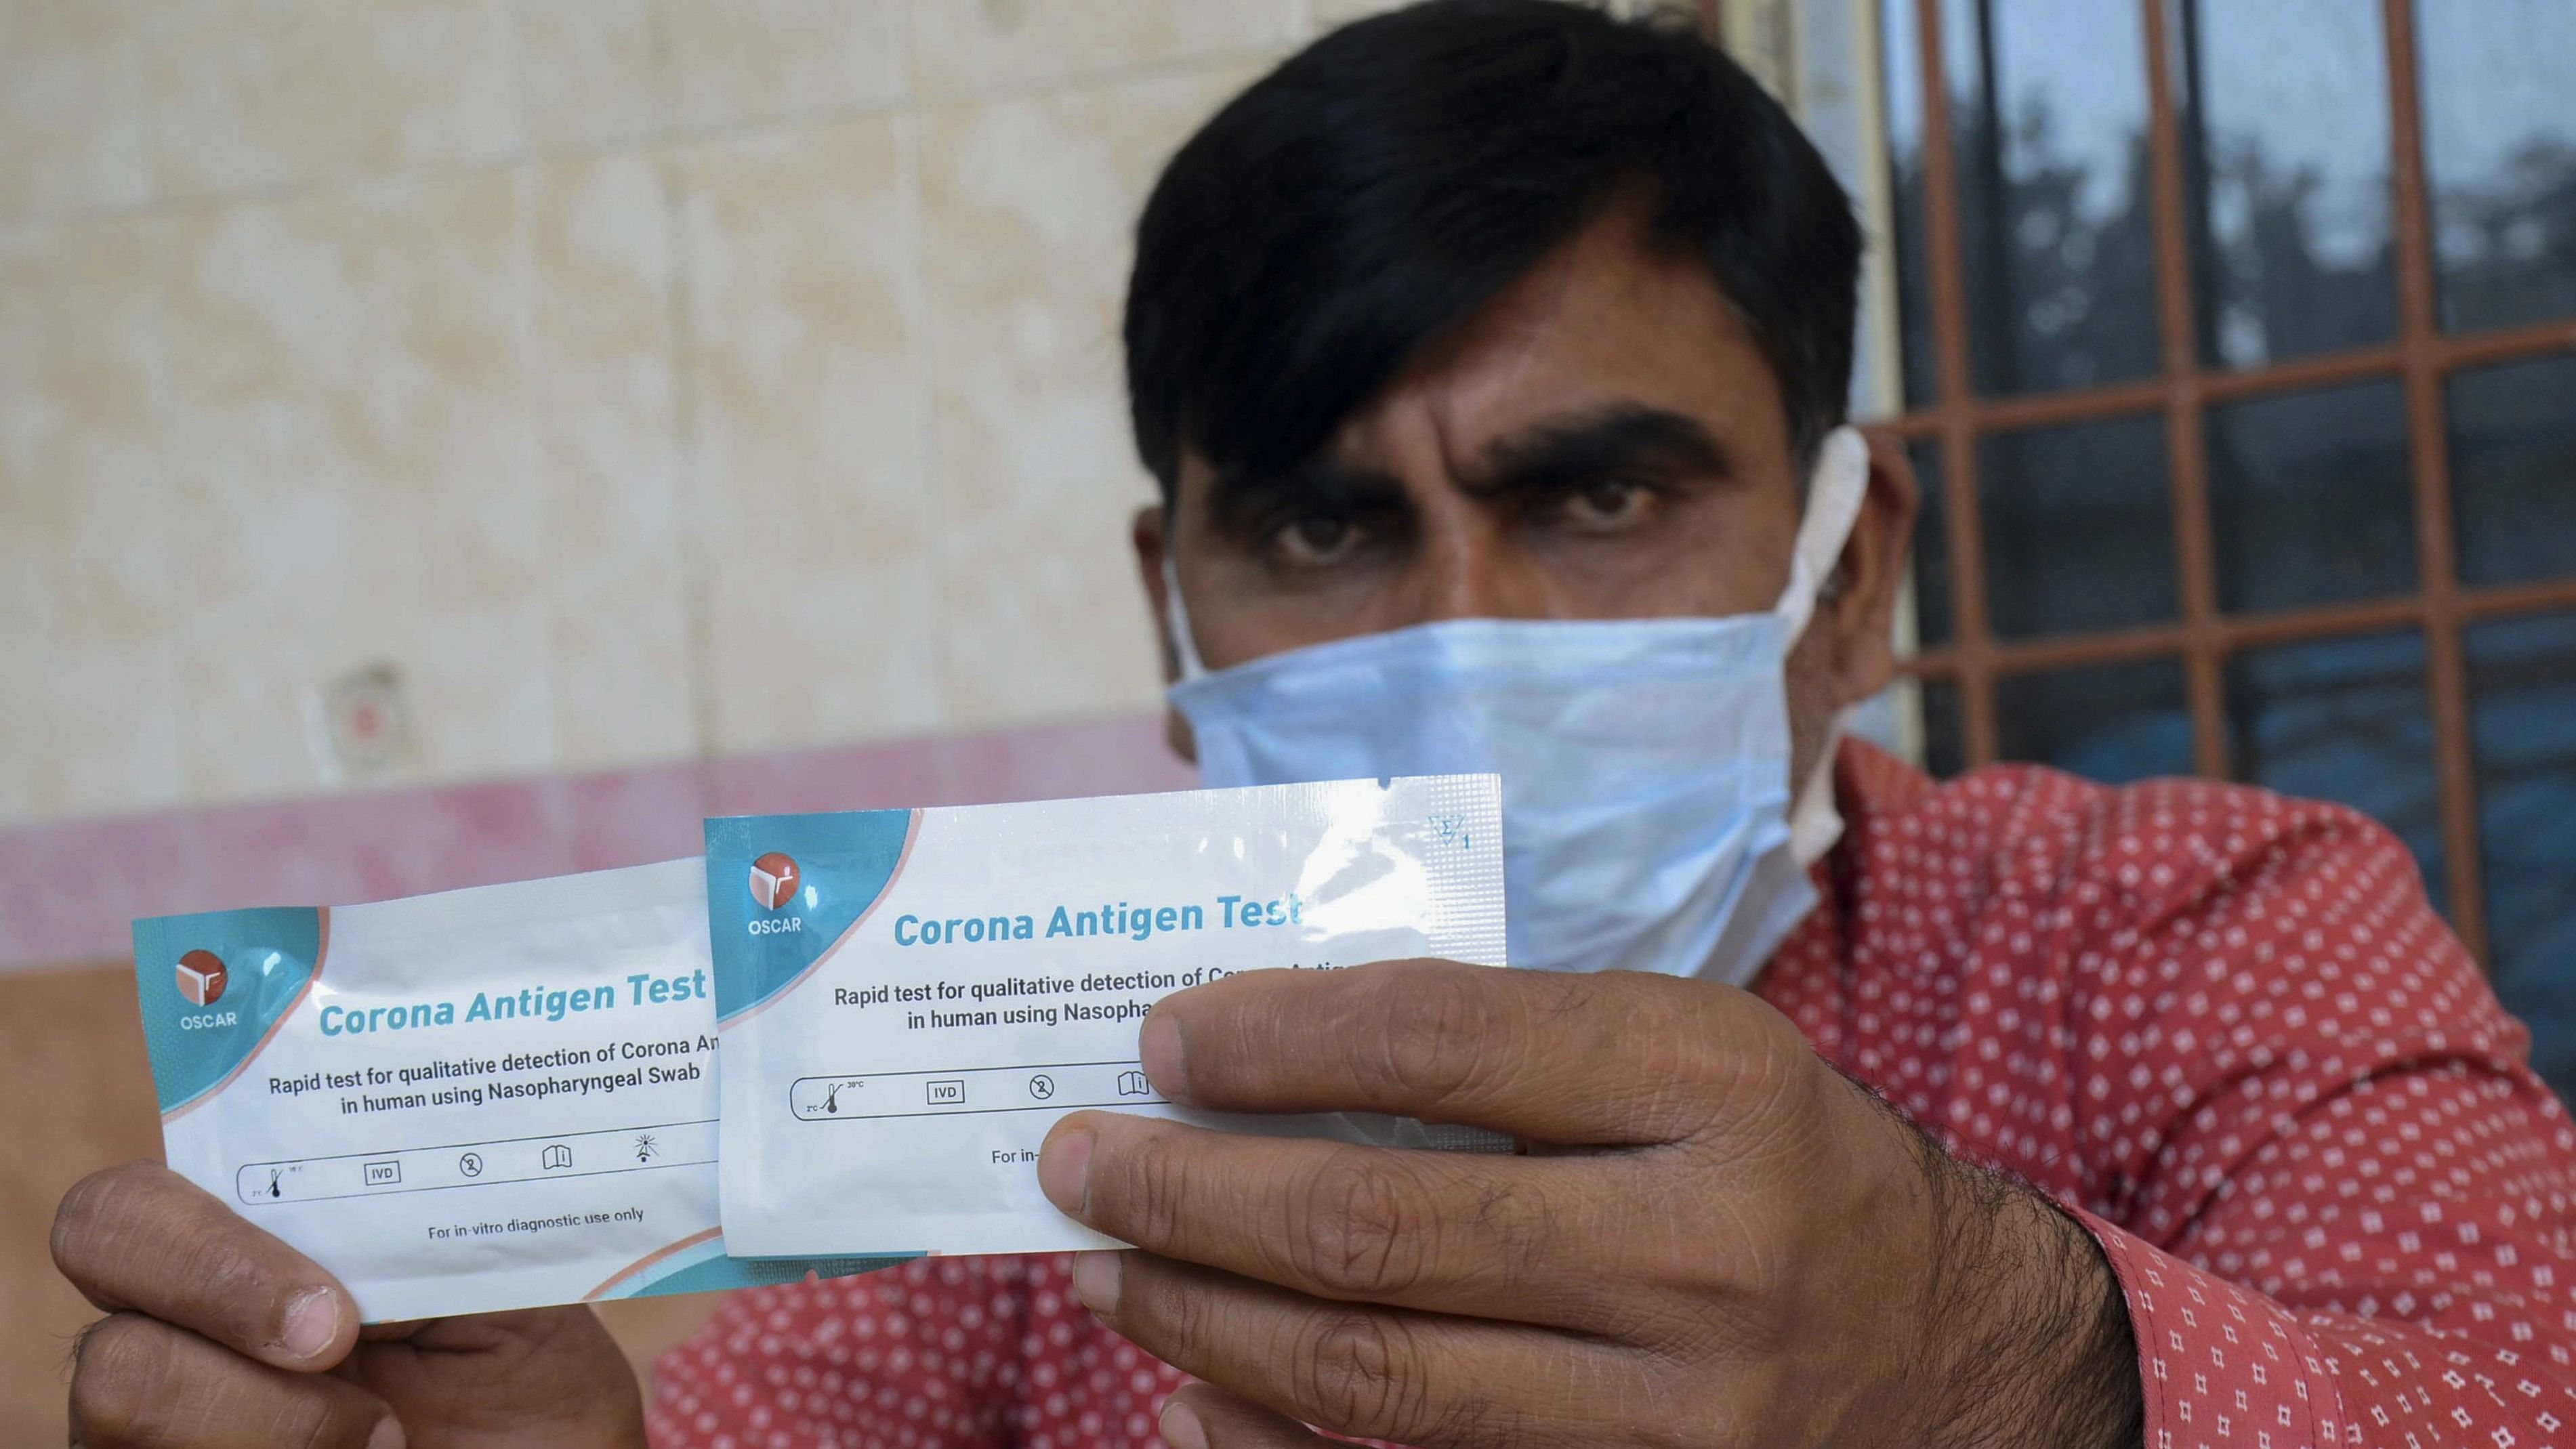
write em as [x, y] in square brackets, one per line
[1383, 184]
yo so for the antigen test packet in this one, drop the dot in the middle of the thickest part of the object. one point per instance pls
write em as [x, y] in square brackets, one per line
[909, 999]
[493, 1098]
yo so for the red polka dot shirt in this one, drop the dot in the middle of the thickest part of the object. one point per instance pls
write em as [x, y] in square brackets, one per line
[2222, 1027]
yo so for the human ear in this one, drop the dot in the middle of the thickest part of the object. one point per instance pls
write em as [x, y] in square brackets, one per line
[1860, 615]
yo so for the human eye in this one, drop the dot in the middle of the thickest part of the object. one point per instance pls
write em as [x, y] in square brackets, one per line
[1315, 540]
[1607, 504]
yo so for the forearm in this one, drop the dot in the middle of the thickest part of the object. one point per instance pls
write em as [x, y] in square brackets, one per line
[2033, 1339]
[2263, 1293]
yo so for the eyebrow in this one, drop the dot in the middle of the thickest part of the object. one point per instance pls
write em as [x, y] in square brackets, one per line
[1241, 502]
[1541, 460]
[1552, 456]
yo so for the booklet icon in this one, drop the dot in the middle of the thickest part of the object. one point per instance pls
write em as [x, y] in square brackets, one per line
[1133, 1084]
[557, 1156]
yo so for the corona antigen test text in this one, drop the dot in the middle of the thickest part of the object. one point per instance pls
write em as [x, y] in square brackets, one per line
[492, 1098]
[909, 999]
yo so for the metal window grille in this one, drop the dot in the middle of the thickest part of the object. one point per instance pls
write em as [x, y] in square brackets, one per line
[2205, 635]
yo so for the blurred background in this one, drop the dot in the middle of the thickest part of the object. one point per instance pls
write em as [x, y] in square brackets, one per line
[446, 441]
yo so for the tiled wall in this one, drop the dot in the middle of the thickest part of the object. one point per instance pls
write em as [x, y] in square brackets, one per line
[645, 380]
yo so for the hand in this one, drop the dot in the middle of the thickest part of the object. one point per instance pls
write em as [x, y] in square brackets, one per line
[1716, 1239]
[219, 1335]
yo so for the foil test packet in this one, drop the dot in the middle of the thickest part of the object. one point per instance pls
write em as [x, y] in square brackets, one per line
[909, 999]
[493, 1098]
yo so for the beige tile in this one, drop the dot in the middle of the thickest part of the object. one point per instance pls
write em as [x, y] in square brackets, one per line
[481, 690]
[1042, 620]
[806, 406]
[252, 93]
[350, 443]
[617, 554]
[625, 684]
[104, 738]
[1028, 206]
[72, 114]
[592, 71]
[1329, 13]
[965, 46]
[732, 61]
[79, 440]
[86, 594]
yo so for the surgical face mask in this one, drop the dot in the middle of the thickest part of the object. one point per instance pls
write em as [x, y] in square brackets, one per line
[1645, 762]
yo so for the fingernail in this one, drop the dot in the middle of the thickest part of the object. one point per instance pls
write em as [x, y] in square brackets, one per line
[1062, 1165]
[1180, 1427]
[1158, 1044]
[1095, 1280]
[388, 1435]
[312, 1321]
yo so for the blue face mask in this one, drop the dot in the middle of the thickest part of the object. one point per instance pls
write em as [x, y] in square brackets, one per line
[1645, 763]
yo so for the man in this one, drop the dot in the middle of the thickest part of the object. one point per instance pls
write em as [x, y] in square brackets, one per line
[1490, 356]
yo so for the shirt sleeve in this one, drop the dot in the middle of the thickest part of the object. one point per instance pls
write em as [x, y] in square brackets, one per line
[2337, 1199]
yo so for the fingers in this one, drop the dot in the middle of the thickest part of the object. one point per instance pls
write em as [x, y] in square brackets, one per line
[1203, 1416]
[141, 1237]
[555, 1375]
[1490, 1237]
[1616, 1059]
[1371, 1373]
[137, 1381]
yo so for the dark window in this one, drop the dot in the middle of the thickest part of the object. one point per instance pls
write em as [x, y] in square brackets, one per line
[2247, 334]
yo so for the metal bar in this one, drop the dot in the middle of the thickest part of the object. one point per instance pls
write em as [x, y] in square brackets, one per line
[2477, 606]
[2040, 410]
[2072, 651]
[1993, 328]
[2419, 340]
[1948, 275]
[2506, 344]
[2187, 458]
[2332, 369]
[2334, 621]
[2256, 631]
[2186, 54]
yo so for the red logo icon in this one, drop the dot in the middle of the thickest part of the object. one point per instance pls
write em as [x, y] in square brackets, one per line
[773, 880]
[201, 978]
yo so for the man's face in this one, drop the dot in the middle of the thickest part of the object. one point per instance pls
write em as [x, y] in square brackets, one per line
[1605, 440]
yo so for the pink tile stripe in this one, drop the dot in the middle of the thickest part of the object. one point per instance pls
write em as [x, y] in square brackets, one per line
[69, 889]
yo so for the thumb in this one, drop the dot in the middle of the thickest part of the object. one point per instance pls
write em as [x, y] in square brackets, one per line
[1203, 1416]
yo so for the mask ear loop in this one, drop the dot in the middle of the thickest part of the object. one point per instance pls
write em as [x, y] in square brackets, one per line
[1176, 619]
[1834, 497]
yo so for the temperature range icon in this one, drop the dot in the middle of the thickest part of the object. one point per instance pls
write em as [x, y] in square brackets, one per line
[475, 1164]
[1052, 1087]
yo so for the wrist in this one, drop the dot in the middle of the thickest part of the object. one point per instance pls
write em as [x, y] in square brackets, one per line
[2026, 1321]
